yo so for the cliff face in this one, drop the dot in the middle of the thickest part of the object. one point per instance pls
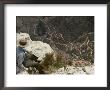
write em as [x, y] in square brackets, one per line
[73, 36]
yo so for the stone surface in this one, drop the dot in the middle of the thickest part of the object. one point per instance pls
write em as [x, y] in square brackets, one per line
[75, 70]
[38, 48]
[23, 37]
[89, 69]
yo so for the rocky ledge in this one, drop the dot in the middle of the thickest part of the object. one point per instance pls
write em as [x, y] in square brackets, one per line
[40, 49]
[75, 70]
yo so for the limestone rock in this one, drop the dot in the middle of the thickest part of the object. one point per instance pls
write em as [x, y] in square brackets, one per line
[89, 69]
[38, 48]
[23, 37]
[75, 70]
[60, 71]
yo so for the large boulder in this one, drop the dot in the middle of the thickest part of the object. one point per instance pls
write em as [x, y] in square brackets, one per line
[38, 48]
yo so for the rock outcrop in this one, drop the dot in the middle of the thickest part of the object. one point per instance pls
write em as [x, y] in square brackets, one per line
[38, 48]
[23, 37]
[75, 70]
[72, 38]
[72, 35]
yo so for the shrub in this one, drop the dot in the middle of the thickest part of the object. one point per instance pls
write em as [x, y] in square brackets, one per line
[83, 48]
[51, 63]
[48, 60]
[60, 61]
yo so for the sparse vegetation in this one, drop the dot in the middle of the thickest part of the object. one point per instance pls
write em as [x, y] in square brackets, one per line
[48, 61]
[70, 37]
[51, 63]
[60, 61]
[83, 48]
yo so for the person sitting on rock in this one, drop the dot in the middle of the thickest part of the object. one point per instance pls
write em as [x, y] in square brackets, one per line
[20, 55]
[25, 59]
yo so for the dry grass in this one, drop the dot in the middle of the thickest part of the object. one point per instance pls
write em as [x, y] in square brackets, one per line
[83, 48]
[60, 61]
[51, 63]
[82, 52]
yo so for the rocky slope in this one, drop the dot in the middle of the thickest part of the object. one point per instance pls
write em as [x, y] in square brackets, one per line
[73, 36]
[75, 70]
[53, 63]
[70, 36]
